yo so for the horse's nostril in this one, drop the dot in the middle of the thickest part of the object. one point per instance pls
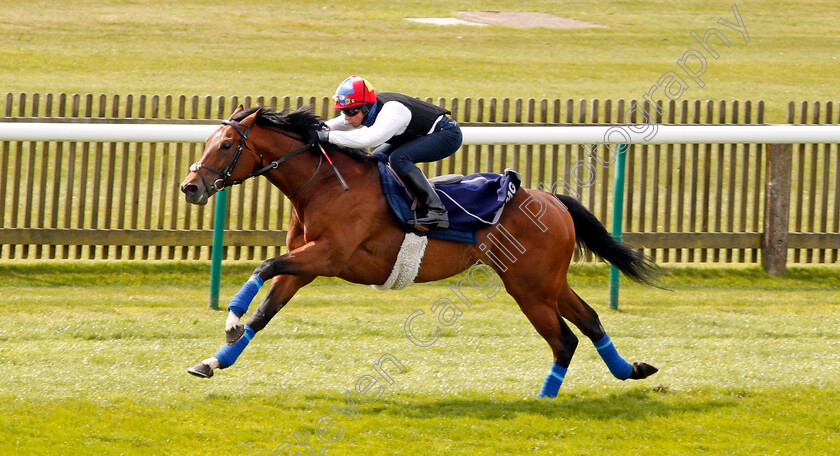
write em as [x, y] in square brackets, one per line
[189, 188]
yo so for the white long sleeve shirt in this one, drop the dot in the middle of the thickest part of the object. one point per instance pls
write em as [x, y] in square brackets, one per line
[392, 120]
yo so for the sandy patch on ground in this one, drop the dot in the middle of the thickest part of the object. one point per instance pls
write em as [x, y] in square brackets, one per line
[508, 19]
[442, 21]
[524, 20]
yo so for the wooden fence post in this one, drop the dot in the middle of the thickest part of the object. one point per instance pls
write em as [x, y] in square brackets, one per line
[774, 240]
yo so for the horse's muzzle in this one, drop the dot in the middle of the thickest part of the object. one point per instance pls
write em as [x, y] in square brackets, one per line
[195, 193]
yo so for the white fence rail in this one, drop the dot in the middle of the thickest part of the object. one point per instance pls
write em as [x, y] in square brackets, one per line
[473, 135]
[43, 207]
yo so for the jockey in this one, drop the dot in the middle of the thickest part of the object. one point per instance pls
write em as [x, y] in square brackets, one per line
[407, 131]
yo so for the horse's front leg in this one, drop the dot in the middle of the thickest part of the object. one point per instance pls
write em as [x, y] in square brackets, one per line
[293, 270]
[279, 294]
[317, 258]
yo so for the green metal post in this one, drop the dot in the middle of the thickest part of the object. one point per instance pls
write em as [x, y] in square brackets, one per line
[618, 218]
[218, 247]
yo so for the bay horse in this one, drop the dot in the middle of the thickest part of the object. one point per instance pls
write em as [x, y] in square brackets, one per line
[354, 235]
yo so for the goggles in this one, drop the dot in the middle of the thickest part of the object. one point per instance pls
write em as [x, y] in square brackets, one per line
[343, 100]
[350, 112]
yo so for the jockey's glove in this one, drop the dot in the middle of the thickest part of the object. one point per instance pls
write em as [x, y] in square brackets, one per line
[318, 135]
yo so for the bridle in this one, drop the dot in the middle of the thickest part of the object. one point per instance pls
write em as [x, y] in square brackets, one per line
[222, 182]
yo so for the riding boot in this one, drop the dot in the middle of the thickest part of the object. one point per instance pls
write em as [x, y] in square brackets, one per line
[430, 203]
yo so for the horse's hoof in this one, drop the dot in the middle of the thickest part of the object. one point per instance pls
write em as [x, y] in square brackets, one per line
[201, 370]
[642, 370]
[235, 333]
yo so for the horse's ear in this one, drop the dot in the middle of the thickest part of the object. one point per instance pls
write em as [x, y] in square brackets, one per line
[248, 121]
[239, 109]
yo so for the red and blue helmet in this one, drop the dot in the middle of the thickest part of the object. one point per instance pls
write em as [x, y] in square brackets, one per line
[354, 91]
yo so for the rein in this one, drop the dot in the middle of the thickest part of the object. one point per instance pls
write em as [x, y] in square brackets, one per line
[221, 183]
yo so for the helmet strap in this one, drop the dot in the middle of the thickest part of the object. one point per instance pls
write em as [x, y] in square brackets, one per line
[368, 109]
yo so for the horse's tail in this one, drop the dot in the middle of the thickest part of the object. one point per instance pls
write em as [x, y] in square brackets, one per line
[592, 236]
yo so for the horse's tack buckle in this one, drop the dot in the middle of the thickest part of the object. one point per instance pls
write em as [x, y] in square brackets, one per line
[219, 185]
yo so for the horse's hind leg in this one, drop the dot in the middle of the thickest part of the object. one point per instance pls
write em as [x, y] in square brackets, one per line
[562, 358]
[543, 315]
[574, 309]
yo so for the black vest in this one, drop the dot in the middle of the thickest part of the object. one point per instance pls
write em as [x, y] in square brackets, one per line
[423, 116]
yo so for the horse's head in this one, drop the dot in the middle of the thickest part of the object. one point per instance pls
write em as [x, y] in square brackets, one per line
[255, 142]
[228, 159]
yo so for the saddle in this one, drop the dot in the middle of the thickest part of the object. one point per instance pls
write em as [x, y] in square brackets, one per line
[474, 202]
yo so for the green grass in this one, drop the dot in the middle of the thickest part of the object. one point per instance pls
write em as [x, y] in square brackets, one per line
[94, 358]
[307, 48]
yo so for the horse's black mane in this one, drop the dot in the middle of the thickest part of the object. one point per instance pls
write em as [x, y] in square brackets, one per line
[300, 121]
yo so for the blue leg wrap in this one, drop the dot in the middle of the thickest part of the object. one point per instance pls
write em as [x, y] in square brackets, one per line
[552, 383]
[228, 353]
[620, 368]
[242, 299]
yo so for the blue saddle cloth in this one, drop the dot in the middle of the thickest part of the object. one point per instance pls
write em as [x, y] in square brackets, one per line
[474, 203]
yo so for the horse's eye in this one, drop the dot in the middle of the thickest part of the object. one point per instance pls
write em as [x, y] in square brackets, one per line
[225, 146]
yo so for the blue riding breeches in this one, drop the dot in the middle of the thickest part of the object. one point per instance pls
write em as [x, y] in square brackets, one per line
[442, 142]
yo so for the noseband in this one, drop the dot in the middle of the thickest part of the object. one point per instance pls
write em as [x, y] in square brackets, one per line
[222, 182]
